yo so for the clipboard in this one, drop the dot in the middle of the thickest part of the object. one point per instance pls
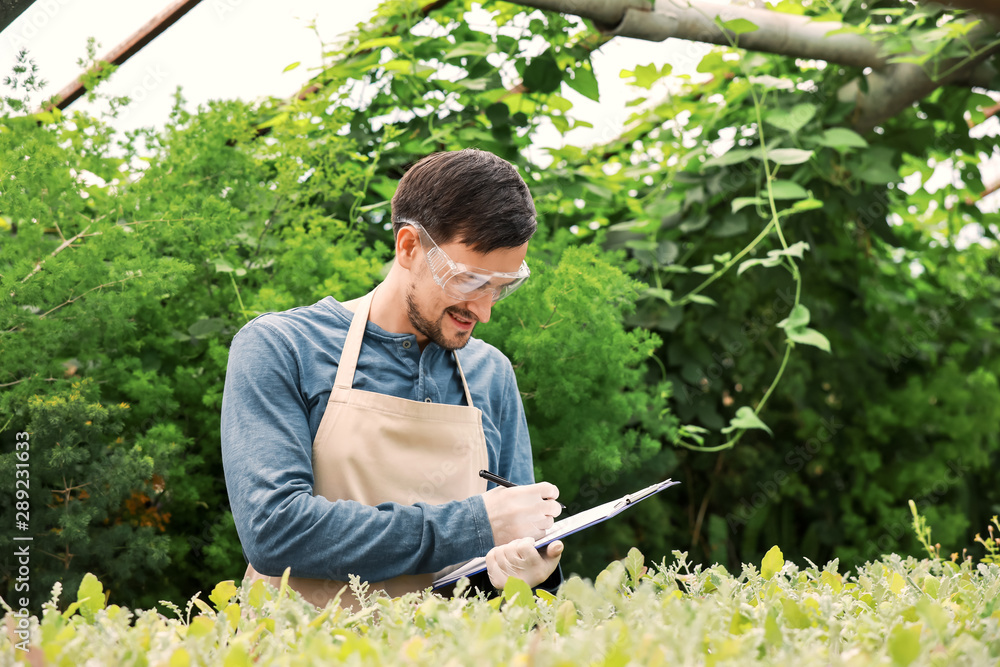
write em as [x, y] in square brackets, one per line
[568, 526]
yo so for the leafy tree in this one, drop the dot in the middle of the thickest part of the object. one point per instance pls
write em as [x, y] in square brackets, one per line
[689, 278]
[707, 226]
[159, 247]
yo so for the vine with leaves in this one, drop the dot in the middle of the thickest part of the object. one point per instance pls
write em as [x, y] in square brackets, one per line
[249, 208]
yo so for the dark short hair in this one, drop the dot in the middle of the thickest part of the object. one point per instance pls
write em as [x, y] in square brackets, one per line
[471, 196]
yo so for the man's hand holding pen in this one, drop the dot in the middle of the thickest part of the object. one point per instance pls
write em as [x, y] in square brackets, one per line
[519, 515]
[521, 511]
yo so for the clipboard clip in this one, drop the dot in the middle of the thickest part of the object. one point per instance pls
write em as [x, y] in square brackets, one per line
[627, 500]
[624, 502]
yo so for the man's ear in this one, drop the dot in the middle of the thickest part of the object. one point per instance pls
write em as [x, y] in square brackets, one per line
[407, 245]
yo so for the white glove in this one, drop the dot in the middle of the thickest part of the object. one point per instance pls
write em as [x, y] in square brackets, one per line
[521, 511]
[521, 559]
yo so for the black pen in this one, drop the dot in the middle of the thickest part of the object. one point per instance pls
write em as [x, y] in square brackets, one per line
[497, 479]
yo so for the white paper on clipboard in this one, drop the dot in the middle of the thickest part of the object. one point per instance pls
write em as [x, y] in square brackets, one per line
[564, 527]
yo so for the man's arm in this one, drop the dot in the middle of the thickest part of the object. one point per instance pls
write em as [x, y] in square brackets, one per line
[267, 459]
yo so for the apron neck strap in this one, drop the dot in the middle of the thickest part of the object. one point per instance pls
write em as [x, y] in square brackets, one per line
[352, 346]
[352, 349]
[461, 374]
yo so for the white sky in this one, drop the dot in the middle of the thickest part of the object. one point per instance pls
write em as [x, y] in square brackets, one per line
[224, 49]
[221, 49]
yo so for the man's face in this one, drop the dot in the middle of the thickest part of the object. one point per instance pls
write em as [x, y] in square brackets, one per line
[441, 318]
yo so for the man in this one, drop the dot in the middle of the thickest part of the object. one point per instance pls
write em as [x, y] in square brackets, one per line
[353, 433]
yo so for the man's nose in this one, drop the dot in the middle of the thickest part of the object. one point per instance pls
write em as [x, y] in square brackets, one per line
[481, 307]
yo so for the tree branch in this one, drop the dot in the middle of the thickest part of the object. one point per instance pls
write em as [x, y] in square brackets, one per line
[980, 6]
[138, 274]
[65, 244]
[890, 87]
[988, 112]
[696, 20]
[10, 384]
[985, 193]
[897, 86]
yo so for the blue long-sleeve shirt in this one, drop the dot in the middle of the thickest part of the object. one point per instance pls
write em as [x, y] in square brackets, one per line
[280, 373]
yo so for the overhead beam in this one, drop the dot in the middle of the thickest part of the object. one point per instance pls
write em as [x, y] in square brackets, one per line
[10, 10]
[118, 55]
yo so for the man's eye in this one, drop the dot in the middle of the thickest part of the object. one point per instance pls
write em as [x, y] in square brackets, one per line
[471, 280]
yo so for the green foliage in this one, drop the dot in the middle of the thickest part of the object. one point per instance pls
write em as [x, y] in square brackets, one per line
[573, 360]
[903, 612]
[95, 493]
[134, 276]
[906, 404]
[772, 563]
[992, 542]
[131, 262]
[923, 532]
[90, 596]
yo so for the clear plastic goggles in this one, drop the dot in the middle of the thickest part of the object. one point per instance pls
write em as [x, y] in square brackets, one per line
[466, 283]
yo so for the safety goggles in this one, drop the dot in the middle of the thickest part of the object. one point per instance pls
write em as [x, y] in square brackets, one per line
[466, 283]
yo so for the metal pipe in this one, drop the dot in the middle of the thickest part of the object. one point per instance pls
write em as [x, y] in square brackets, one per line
[140, 38]
[10, 10]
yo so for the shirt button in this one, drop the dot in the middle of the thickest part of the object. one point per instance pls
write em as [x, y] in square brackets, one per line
[427, 400]
[406, 344]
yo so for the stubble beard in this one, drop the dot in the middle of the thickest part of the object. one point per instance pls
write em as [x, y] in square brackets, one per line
[432, 330]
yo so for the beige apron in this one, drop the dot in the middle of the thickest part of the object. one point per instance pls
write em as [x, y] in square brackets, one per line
[375, 448]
